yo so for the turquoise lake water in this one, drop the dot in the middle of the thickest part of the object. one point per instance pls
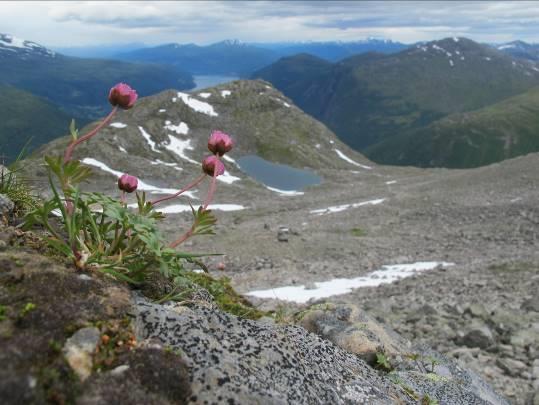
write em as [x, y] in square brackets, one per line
[276, 175]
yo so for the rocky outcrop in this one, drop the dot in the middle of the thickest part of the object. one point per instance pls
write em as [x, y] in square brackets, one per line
[422, 371]
[84, 338]
[235, 360]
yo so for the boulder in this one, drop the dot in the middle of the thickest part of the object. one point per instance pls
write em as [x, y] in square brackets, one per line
[480, 336]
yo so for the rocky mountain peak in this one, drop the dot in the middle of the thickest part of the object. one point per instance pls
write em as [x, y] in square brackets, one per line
[10, 45]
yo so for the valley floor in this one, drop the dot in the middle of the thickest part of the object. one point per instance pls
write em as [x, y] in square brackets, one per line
[483, 310]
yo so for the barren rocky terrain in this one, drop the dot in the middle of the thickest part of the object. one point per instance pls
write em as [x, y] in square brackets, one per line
[482, 308]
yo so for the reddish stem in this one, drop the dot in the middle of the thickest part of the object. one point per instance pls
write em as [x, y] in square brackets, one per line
[183, 190]
[69, 150]
[211, 191]
[182, 238]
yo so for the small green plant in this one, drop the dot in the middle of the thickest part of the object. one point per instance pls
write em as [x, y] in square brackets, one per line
[358, 232]
[423, 363]
[29, 307]
[427, 400]
[3, 311]
[101, 233]
[382, 362]
[16, 187]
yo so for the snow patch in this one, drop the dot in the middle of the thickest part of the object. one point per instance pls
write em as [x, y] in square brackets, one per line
[180, 129]
[160, 162]
[118, 125]
[227, 178]
[346, 158]
[225, 93]
[391, 182]
[162, 110]
[339, 208]
[204, 95]
[122, 149]
[148, 139]
[197, 105]
[178, 208]
[338, 286]
[288, 193]
[179, 147]
[142, 186]
[451, 63]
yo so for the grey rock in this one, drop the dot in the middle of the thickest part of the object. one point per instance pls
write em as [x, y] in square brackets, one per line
[6, 205]
[511, 367]
[78, 351]
[531, 304]
[246, 361]
[282, 234]
[352, 329]
[476, 311]
[525, 337]
[480, 336]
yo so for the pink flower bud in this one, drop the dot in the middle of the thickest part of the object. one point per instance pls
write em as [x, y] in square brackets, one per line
[221, 266]
[122, 96]
[212, 164]
[127, 183]
[219, 143]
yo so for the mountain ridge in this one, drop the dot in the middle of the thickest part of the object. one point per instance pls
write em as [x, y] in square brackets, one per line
[369, 98]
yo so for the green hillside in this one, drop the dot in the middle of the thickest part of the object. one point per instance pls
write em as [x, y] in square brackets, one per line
[506, 129]
[80, 86]
[25, 117]
[369, 98]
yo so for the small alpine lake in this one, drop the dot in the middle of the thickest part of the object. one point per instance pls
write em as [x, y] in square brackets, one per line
[276, 176]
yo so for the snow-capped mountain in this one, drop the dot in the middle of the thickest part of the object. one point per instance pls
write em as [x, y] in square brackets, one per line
[520, 49]
[13, 45]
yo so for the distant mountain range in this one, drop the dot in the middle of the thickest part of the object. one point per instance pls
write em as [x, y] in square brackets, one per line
[79, 86]
[237, 58]
[371, 98]
[334, 51]
[72, 87]
[520, 49]
[223, 58]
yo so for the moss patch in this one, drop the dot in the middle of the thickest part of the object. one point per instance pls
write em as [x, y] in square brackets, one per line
[226, 298]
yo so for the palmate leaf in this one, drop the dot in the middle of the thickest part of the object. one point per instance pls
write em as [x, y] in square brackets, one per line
[204, 220]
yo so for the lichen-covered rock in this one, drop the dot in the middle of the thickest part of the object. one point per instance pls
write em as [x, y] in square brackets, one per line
[352, 329]
[243, 361]
[423, 372]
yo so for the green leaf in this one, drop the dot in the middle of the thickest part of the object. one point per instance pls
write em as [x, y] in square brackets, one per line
[73, 130]
[60, 246]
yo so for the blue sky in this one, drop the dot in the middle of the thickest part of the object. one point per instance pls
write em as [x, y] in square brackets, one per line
[81, 23]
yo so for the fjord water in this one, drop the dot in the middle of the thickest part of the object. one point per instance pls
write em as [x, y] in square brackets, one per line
[277, 175]
[204, 81]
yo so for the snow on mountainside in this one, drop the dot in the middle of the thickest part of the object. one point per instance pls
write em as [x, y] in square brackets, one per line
[9, 43]
[165, 138]
[461, 51]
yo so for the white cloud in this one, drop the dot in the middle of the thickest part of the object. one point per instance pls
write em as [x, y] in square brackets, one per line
[72, 23]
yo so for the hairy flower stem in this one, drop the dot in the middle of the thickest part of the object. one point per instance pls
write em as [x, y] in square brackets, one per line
[211, 191]
[69, 150]
[183, 190]
[182, 238]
